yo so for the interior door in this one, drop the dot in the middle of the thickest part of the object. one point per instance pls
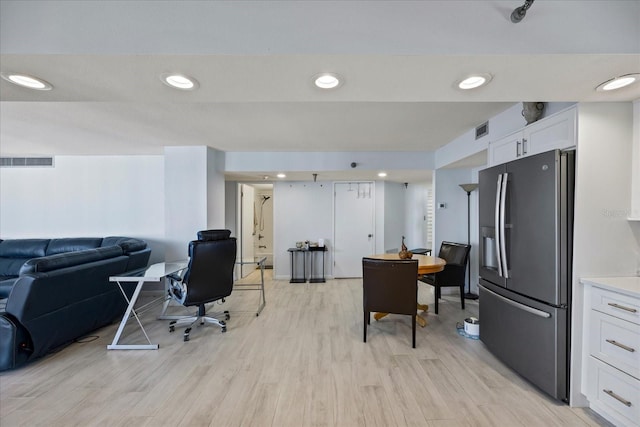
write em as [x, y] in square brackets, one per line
[247, 227]
[353, 227]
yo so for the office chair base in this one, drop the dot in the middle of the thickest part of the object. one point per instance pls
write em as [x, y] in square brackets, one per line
[191, 320]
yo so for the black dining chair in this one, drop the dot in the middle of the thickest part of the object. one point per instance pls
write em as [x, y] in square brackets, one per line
[390, 286]
[456, 255]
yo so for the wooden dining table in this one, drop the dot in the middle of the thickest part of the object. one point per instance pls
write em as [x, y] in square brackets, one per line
[426, 265]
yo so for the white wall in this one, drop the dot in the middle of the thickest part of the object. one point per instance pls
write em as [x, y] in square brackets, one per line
[302, 211]
[451, 221]
[326, 161]
[604, 243]
[194, 192]
[85, 196]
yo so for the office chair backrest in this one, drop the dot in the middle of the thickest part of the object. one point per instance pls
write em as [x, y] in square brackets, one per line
[209, 275]
[390, 286]
[454, 253]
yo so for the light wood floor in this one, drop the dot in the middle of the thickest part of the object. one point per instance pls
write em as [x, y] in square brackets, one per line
[302, 362]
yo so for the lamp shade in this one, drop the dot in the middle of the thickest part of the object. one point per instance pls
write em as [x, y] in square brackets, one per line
[469, 187]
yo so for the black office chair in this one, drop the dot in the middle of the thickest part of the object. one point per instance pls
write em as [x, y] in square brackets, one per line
[390, 286]
[456, 255]
[207, 278]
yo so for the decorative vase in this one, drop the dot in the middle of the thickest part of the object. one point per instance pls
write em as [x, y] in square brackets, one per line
[532, 111]
[404, 253]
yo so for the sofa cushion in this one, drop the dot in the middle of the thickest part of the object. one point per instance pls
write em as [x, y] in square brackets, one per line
[23, 248]
[55, 262]
[73, 244]
[10, 267]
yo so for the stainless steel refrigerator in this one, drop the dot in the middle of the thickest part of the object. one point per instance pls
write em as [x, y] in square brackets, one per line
[526, 234]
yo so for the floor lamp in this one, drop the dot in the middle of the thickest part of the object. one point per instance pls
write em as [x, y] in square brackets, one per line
[469, 188]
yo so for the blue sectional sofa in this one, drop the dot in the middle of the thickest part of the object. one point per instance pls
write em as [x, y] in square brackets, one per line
[53, 291]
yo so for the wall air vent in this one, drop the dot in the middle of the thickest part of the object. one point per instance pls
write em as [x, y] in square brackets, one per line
[482, 130]
[22, 162]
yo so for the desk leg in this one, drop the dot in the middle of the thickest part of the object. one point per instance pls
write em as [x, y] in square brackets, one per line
[131, 302]
[264, 301]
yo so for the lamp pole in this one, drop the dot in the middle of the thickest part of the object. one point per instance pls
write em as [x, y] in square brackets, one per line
[468, 188]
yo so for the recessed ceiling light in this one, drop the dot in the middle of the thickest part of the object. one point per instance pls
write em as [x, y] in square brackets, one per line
[281, 175]
[382, 174]
[179, 81]
[27, 81]
[474, 81]
[618, 82]
[327, 80]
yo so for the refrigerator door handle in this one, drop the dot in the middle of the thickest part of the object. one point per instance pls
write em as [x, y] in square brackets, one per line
[497, 222]
[516, 304]
[503, 237]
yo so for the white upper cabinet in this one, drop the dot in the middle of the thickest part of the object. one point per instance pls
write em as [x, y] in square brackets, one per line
[554, 132]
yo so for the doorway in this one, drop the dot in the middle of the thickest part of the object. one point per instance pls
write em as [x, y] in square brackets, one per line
[353, 227]
[255, 219]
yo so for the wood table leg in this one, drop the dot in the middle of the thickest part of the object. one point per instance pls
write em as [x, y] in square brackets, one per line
[379, 316]
[419, 319]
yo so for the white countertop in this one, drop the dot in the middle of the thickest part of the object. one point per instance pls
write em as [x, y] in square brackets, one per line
[625, 285]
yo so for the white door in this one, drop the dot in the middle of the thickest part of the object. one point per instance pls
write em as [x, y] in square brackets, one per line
[247, 227]
[353, 227]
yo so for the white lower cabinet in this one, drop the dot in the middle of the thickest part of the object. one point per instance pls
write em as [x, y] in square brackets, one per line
[613, 394]
[612, 337]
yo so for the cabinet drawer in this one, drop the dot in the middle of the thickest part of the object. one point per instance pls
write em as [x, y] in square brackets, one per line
[613, 393]
[615, 304]
[616, 342]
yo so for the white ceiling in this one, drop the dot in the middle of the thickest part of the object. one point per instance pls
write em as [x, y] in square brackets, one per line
[255, 60]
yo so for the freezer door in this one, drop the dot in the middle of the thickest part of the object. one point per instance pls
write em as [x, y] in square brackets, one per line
[529, 337]
[533, 227]
[489, 200]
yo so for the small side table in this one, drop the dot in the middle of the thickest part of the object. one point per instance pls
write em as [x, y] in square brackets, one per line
[312, 251]
[306, 253]
[295, 253]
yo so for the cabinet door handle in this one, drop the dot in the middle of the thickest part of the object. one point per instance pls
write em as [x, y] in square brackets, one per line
[518, 148]
[622, 346]
[618, 398]
[622, 307]
[524, 146]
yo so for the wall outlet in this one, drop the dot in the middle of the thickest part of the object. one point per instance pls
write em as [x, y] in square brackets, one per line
[442, 206]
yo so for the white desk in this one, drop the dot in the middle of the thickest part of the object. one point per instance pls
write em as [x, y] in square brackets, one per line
[259, 261]
[154, 273]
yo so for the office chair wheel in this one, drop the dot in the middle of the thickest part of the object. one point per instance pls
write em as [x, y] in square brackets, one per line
[186, 334]
[227, 316]
[224, 329]
[172, 327]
